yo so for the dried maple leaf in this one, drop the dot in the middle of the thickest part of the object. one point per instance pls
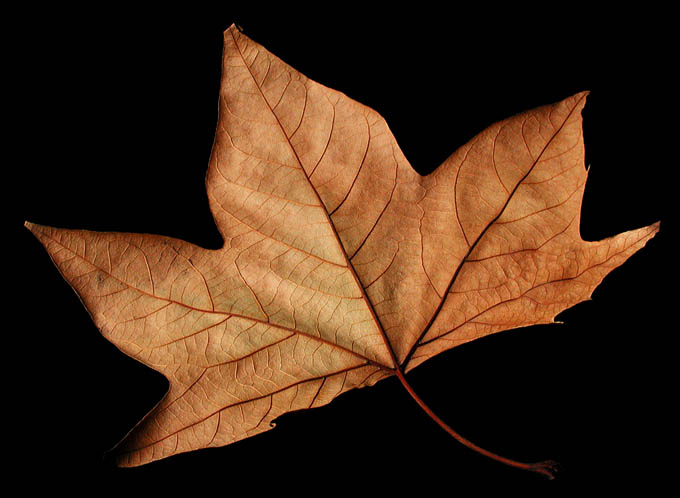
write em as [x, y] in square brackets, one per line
[341, 265]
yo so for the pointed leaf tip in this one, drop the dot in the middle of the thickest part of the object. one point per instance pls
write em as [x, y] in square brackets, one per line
[234, 27]
[328, 278]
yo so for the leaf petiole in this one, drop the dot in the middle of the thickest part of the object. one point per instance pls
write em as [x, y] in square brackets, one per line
[547, 468]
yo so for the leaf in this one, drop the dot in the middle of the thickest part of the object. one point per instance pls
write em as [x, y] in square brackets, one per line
[341, 265]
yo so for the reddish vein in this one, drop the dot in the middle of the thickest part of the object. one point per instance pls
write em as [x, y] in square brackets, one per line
[328, 219]
[545, 468]
[480, 237]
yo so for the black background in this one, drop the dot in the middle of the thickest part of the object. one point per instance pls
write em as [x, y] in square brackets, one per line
[116, 116]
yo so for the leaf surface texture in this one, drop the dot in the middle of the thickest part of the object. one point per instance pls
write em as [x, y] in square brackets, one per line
[340, 262]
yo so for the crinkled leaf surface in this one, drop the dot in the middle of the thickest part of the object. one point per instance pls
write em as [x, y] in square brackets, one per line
[339, 262]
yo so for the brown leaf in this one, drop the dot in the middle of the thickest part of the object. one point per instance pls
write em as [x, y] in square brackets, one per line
[341, 265]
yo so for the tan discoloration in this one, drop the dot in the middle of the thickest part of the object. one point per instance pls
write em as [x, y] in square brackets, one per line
[339, 259]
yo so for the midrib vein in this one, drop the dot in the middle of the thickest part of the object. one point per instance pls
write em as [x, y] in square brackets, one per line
[542, 284]
[243, 402]
[472, 247]
[215, 312]
[323, 209]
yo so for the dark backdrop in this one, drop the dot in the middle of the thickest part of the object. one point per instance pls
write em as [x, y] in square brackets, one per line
[117, 114]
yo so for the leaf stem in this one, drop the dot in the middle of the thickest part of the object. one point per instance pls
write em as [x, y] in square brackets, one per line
[548, 467]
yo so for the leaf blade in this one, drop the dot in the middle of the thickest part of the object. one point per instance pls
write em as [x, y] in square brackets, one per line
[226, 362]
[370, 209]
[525, 180]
